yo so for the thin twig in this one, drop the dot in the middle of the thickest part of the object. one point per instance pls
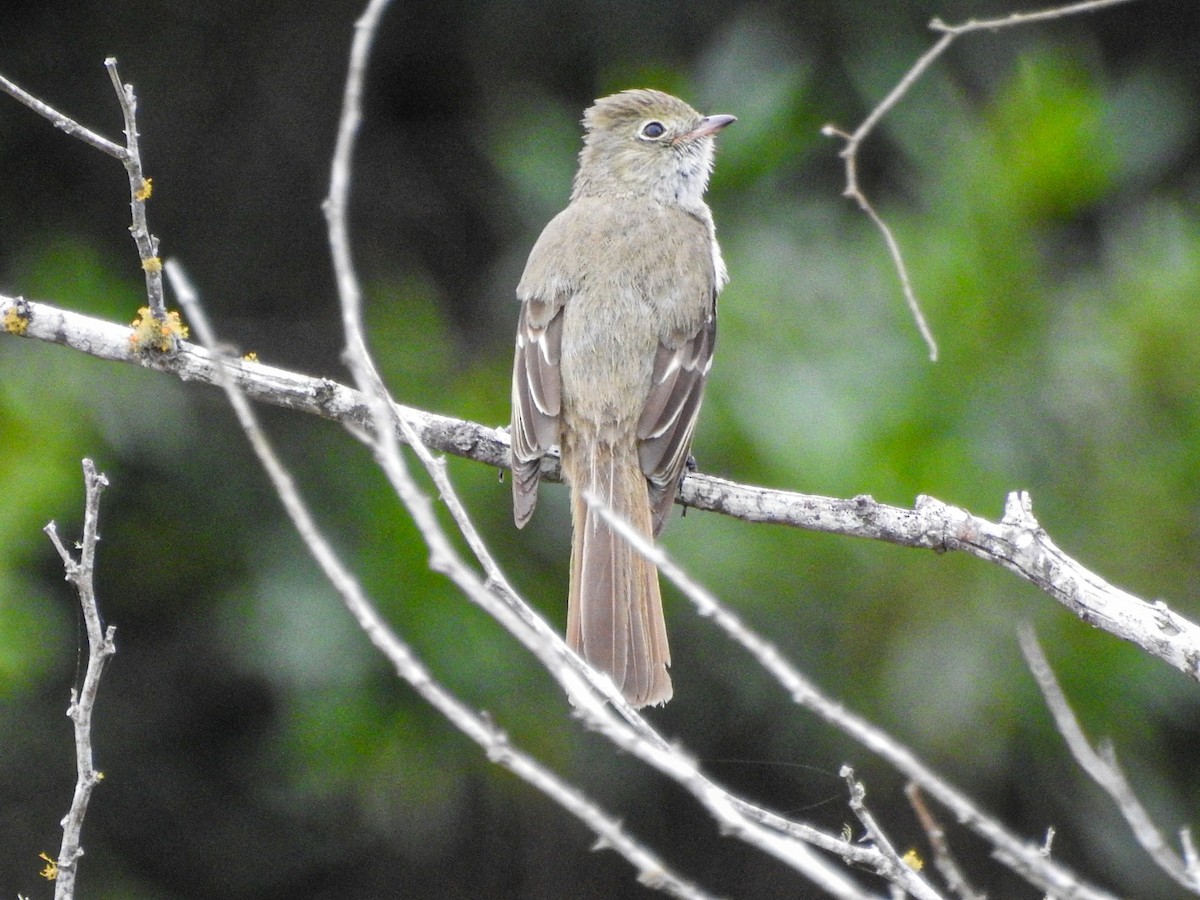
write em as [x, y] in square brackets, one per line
[853, 140]
[849, 154]
[1102, 767]
[899, 872]
[1019, 18]
[100, 647]
[63, 122]
[139, 193]
[943, 858]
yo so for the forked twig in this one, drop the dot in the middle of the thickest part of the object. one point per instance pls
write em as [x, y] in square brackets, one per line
[83, 701]
[853, 140]
[899, 872]
[1102, 767]
[130, 155]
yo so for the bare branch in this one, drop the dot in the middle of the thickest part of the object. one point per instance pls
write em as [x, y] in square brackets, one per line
[1101, 766]
[1017, 542]
[63, 122]
[1020, 855]
[83, 701]
[279, 387]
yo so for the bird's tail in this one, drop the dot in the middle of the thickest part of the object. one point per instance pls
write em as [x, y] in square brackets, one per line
[614, 612]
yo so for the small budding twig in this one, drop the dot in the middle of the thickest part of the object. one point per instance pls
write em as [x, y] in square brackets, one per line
[140, 188]
[83, 701]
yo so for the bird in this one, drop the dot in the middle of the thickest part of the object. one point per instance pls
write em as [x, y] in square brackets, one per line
[615, 339]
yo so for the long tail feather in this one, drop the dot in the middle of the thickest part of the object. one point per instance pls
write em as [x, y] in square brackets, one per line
[614, 613]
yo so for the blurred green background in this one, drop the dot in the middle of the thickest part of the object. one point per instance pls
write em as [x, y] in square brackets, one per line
[1043, 184]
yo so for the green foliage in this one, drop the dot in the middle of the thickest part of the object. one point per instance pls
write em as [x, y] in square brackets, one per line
[1051, 138]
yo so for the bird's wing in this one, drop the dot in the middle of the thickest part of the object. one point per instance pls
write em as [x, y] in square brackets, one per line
[537, 381]
[668, 419]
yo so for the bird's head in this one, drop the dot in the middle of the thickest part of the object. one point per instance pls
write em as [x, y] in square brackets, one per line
[645, 143]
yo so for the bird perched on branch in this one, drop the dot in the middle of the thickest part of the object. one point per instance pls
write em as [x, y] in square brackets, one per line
[614, 343]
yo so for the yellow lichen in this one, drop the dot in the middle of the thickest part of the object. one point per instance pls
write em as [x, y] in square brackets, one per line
[17, 317]
[150, 333]
[143, 193]
[50, 870]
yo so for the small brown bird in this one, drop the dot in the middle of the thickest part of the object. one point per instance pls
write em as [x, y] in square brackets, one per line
[614, 343]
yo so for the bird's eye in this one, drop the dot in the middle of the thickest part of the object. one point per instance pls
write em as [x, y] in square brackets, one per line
[653, 130]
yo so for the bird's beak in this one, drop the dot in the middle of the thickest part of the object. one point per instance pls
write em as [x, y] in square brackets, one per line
[709, 125]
